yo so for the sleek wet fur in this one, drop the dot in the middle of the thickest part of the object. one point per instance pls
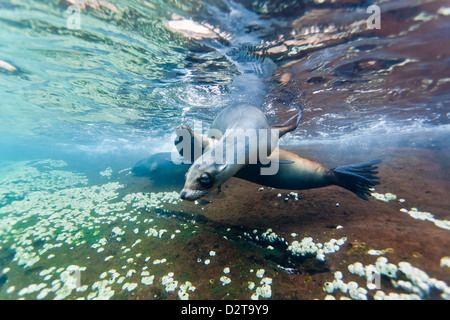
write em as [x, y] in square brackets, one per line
[295, 173]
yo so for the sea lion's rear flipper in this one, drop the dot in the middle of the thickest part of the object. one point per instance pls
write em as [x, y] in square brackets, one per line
[290, 124]
[357, 178]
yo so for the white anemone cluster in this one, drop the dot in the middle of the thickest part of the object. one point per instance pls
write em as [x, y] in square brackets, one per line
[415, 282]
[414, 212]
[265, 288]
[307, 247]
[171, 284]
[47, 212]
[61, 287]
[142, 200]
[225, 280]
[384, 197]
[21, 178]
[183, 291]
[304, 247]
[426, 216]
[445, 262]
[271, 236]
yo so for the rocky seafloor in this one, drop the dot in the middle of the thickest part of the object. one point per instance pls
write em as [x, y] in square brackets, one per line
[66, 234]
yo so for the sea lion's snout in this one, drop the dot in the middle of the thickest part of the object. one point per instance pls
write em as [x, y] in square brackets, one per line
[191, 195]
[199, 181]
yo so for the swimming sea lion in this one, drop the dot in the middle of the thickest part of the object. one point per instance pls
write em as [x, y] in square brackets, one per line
[239, 135]
[294, 173]
[297, 173]
[158, 164]
[161, 170]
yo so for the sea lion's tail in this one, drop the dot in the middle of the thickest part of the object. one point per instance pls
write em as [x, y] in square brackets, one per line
[358, 178]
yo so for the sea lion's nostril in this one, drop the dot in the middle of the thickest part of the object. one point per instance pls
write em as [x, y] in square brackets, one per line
[183, 194]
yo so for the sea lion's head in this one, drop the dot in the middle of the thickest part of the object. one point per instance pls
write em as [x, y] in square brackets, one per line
[201, 178]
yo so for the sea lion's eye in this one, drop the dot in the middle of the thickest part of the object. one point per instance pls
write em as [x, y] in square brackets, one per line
[205, 179]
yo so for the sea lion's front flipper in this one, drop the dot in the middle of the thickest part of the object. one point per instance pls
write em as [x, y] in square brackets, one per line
[189, 144]
[290, 124]
[284, 161]
[281, 161]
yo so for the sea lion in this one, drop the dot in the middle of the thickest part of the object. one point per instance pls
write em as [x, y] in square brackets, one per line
[294, 173]
[297, 173]
[161, 170]
[153, 165]
[239, 136]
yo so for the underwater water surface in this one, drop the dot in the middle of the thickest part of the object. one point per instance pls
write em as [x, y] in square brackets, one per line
[88, 88]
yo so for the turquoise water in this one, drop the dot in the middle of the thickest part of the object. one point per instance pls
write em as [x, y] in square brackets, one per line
[120, 79]
[80, 106]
